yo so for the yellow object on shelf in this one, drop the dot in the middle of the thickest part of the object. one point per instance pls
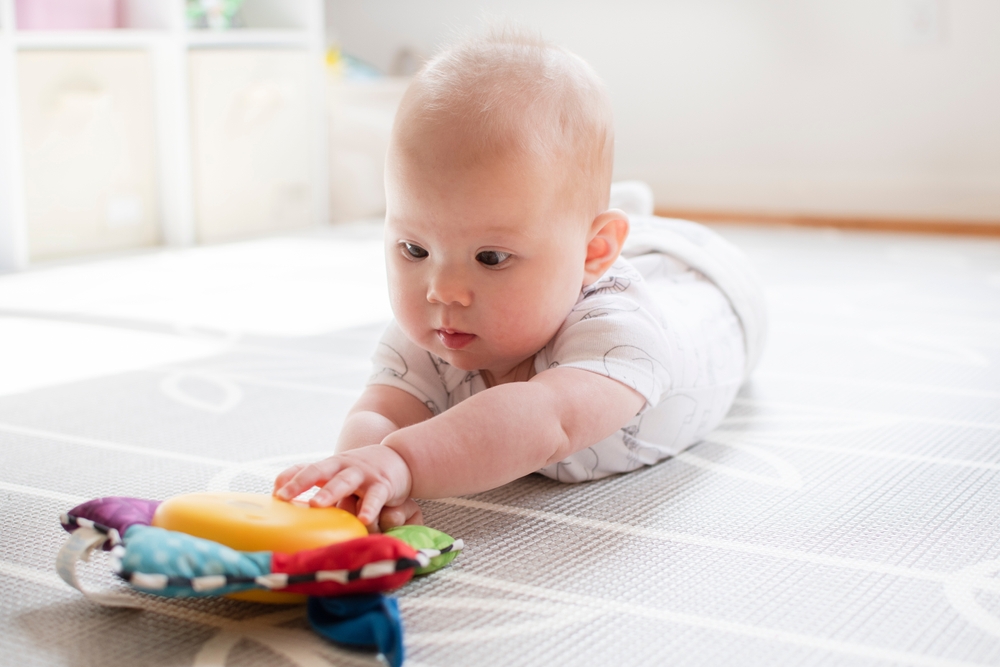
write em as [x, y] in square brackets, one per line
[257, 522]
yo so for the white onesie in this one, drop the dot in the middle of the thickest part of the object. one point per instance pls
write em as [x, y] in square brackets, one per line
[652, 322]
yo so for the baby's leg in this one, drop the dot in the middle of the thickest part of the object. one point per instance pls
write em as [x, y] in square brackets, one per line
[706, 360]
[725, 265]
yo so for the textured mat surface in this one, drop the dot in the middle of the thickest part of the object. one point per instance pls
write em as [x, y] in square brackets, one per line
[847, 512]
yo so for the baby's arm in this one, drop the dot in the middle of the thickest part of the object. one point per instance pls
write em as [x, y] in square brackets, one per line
[511, 430]
[379, 411]
[487, 440]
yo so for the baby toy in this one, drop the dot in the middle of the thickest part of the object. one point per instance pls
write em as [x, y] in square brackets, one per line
[214, 14]
[255, 547]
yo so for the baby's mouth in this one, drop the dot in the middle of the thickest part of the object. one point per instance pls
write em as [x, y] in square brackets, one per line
[454, 340]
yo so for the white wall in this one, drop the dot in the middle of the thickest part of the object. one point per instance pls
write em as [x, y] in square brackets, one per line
[784, 106]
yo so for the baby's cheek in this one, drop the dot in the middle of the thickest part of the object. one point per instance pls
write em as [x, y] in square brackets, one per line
[411, 323]
[408, 313]
[527, 327]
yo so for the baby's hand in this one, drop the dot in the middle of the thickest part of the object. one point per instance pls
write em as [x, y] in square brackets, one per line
[376, 474]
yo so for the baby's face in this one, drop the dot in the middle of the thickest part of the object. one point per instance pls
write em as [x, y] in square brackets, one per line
[484, 261]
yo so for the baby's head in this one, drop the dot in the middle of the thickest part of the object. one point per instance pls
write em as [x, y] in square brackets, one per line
[508, 97]
[497, 181]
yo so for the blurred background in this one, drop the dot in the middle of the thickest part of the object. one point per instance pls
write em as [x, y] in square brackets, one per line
[133, 123]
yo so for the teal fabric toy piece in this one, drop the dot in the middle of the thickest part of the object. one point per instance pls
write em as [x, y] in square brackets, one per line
[155, 557]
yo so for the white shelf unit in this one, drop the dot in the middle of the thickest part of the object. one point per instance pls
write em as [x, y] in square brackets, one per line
[159, 28]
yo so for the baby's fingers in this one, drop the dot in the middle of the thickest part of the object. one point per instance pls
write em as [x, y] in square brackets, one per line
[286, 475]
[372, 503]
[308, 476]
[346, 482]
[407, 514]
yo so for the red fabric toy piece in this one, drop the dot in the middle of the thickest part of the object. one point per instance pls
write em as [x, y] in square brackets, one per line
[370, 564]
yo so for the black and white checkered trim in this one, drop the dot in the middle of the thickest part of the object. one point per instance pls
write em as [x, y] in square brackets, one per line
[274, 581]
[70, 522]
[457, 545]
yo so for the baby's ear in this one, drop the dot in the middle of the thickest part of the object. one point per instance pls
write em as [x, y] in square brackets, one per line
[604, 243]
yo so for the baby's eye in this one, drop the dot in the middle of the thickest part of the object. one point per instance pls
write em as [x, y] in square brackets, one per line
[413, 250]
[492, 257]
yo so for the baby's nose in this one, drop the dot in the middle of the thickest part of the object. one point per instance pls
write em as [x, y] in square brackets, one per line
[449, 289]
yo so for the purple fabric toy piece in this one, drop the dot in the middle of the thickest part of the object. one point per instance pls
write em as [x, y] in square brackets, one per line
[113, 513]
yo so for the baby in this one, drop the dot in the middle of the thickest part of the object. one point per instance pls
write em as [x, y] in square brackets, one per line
[524, 340]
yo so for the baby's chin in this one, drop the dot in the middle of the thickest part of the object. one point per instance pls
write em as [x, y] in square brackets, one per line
[479, 363]
[458, 359]
[464, 360]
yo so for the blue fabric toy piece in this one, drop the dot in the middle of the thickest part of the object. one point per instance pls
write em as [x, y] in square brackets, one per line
[363, 621]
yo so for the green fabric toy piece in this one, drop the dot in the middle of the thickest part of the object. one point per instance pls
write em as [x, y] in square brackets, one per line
[422, 538]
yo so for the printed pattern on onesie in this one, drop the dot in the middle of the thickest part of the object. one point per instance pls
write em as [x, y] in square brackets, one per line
[618, 329]
[697, 348]
[401, 363]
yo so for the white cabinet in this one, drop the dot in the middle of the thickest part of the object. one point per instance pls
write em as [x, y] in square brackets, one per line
[250, 121]
[156, 131]
[88, 151]
[361, 117]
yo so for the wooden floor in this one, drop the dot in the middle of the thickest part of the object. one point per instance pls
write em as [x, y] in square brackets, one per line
[924, 226]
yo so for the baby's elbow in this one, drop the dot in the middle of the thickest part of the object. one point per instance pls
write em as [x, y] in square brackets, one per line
[559, 439]
[581, 466]
[560, 444]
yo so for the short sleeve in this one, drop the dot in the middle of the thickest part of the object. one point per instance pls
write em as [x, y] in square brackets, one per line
[398, 362]
[613, 331]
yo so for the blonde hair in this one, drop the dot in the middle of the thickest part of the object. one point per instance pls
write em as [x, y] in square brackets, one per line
[509, 93]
